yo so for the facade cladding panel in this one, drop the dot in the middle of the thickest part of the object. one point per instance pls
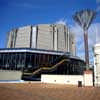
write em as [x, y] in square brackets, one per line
[61, 38]
[72, 43]
[11, 38]
[23, 37]
[55, 38]
[34, 37]
[45, 37]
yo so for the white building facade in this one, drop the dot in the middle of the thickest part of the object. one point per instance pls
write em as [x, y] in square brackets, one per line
[97, 64]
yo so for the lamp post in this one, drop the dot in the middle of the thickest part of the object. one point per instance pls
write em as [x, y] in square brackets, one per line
[84, 18]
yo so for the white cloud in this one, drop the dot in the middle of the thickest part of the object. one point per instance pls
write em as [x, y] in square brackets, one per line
[61, 21]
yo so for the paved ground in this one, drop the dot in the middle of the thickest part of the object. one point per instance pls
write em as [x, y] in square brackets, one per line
[38, 91]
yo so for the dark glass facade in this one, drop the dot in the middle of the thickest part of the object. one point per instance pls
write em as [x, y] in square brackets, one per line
[29, 62]
[17, 61]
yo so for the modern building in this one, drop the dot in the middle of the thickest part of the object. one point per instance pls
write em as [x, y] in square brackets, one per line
[97, 64]
[55, 37]
[45, 48]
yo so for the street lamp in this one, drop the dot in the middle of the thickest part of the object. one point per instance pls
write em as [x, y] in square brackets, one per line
[84, 18]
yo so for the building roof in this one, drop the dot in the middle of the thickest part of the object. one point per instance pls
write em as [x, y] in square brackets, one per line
[34, 50]
[30, 50]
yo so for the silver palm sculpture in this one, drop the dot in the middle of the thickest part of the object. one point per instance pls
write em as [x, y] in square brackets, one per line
[84, 18]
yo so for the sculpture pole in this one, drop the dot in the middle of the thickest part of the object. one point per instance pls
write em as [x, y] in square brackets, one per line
[86, 47]
[84, 18]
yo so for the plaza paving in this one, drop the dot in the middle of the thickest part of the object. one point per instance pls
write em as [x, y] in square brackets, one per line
[39, 91]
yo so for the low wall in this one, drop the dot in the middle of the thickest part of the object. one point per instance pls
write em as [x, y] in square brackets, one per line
[86, 79]
[10, 75]
[62, 79]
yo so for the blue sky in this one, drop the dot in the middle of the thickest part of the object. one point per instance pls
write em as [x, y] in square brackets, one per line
[16, 13]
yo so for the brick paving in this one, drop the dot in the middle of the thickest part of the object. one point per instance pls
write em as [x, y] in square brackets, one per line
[39, 91]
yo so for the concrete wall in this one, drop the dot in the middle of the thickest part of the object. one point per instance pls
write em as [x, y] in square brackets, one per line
[86, 79]
[10, 75]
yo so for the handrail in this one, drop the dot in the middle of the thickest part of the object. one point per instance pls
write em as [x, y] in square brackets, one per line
[49, 68]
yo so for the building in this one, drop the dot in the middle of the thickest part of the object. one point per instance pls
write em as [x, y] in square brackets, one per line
[45, 48]
[55, 37]
[97, 64]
